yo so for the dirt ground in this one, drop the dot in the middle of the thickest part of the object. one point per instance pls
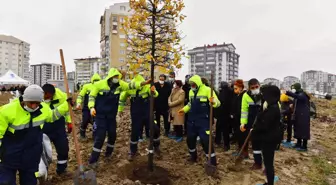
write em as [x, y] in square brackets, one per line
[316, 167]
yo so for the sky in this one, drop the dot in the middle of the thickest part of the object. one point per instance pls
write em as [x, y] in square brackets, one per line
[274, 38]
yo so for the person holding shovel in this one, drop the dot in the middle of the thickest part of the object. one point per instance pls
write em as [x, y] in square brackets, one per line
[198, 119]
[56, 131]
[250, 106]
[139, 111]
[267, 129]
[103, 105]
[21, 124]
[84, 94]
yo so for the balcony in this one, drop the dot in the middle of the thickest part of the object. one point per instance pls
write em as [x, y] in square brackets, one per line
[114, 31]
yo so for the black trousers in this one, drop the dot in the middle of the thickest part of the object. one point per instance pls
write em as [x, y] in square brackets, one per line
[268, 150]
[289, 130]
[179, 130]
[185, 123]
[223, 132]
[164, 114]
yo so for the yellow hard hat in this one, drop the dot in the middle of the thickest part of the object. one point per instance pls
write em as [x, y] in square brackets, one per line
[284, 98]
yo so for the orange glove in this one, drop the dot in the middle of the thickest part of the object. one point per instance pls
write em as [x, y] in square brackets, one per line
[212, 100]
[93, 111]
[242, 128]
[153, 89]
[69, 127]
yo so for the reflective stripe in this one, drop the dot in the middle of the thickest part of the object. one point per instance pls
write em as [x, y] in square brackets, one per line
[56, 115]
[131, 85]
[104, 91]
[212, 155]
[91, 98]
[109, 145]
[134, 142]
[244, 113]
[122, 103]
[37, 174]
[151, 151]
[251, 103]
[192, 150]
[158, 139]
[24, 126]
[79, 96]
[256, 152]
[62, 162]
[96, 150]
[244, 116]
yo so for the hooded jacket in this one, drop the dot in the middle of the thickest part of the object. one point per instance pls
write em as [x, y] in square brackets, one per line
[84, 93]
[268, 126]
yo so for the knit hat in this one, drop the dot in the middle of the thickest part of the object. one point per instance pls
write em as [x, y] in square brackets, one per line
[33, 93]
[239, 83]
[296, 86]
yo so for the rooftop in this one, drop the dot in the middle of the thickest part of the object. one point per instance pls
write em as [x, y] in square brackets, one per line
[45, 63]
[89, 58]
[11, 39]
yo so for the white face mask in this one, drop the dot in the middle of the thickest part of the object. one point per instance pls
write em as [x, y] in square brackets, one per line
[293, 90]
[47, 101]
[174, 85]
[115, 80]
[30, 109]
[171, 79]
[255, 91]
[194, 88]
[161, 82]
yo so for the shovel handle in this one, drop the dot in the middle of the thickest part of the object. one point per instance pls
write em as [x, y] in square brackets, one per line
[74, 131]
[211, 118]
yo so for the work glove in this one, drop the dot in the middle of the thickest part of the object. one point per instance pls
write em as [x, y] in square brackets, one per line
[69, 127]
[242, 128]
[78, 106]
[181, 112]
[212, 100]
[153, 89]
[70, 100]
[93, 111]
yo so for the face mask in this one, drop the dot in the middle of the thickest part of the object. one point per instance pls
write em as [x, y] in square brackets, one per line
[47, 101]
[171, 79]
[293, 90]
[115, 80]
[255, 91]
[161, 82]
[194, 88]
[30, 109]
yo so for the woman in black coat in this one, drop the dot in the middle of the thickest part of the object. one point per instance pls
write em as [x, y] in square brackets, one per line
[267, 129]
[301, 115]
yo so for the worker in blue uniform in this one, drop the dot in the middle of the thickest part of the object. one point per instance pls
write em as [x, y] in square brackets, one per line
[103, 104]
[139, 111]
[21, 124]
[54, 97]
[198, 119]
[84, 94]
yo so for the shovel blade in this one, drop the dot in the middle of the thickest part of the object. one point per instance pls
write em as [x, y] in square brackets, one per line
[85, 178]
[210, 170]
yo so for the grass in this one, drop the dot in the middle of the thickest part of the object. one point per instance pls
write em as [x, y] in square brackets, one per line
[320, 171]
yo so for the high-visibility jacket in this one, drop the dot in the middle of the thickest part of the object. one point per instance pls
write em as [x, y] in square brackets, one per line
[139, 98]
[21, 133]
[85, 91]
[249, 110]
[106, 100]
[198, 107]
[59, 98]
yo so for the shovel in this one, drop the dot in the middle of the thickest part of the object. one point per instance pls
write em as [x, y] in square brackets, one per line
[210, 169]
[81, 176]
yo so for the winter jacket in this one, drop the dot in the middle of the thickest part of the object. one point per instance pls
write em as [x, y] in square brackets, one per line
[225, 97]
[236, 108]
[267, 128]
[84, 93]
[176, 103]
[161, 102]
[186, 88]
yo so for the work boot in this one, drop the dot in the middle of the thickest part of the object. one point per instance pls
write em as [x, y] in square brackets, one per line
[131, 156]
[191, 160]
[93, 166]
[82, 138]
[65, 175]
[256, 166]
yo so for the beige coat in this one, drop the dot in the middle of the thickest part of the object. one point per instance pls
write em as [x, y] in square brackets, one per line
[176, 103]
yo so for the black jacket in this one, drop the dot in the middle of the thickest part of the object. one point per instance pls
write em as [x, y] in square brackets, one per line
[161, 102]
[225, 97]
[236, 108]
[186, 88]
[267, 128]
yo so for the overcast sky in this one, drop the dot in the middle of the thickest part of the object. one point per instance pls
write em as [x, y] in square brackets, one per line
[275, 38]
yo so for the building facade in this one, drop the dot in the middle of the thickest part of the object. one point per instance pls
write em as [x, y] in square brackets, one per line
[40, 74]
[86, 67]
[318, 81]
[71, 75]
[220, 59]
[14, 55]
[289, 81]
[272, 81]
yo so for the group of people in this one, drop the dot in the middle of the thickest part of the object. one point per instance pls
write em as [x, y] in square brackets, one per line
[261, 110]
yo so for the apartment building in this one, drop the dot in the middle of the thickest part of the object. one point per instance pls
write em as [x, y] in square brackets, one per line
[40, 74]
[272, 81]
[288, 81]
[86, 67]
[318, 81]
[71, 75]
[220, 59]
[14, 55]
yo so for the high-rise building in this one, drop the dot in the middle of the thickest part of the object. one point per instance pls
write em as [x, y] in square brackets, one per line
[42, 73]
[71, 75]
[272, 81]
[289, 81]
[14, 55]
[86, 67]
[318, 81]
[220, 59]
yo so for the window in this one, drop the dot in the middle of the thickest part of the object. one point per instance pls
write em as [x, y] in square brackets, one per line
[122, 52]
[122, 36]
[115, 19]
[123, 8]
[122, 44]
[114, 27]
[121, 60]
[121, 19]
